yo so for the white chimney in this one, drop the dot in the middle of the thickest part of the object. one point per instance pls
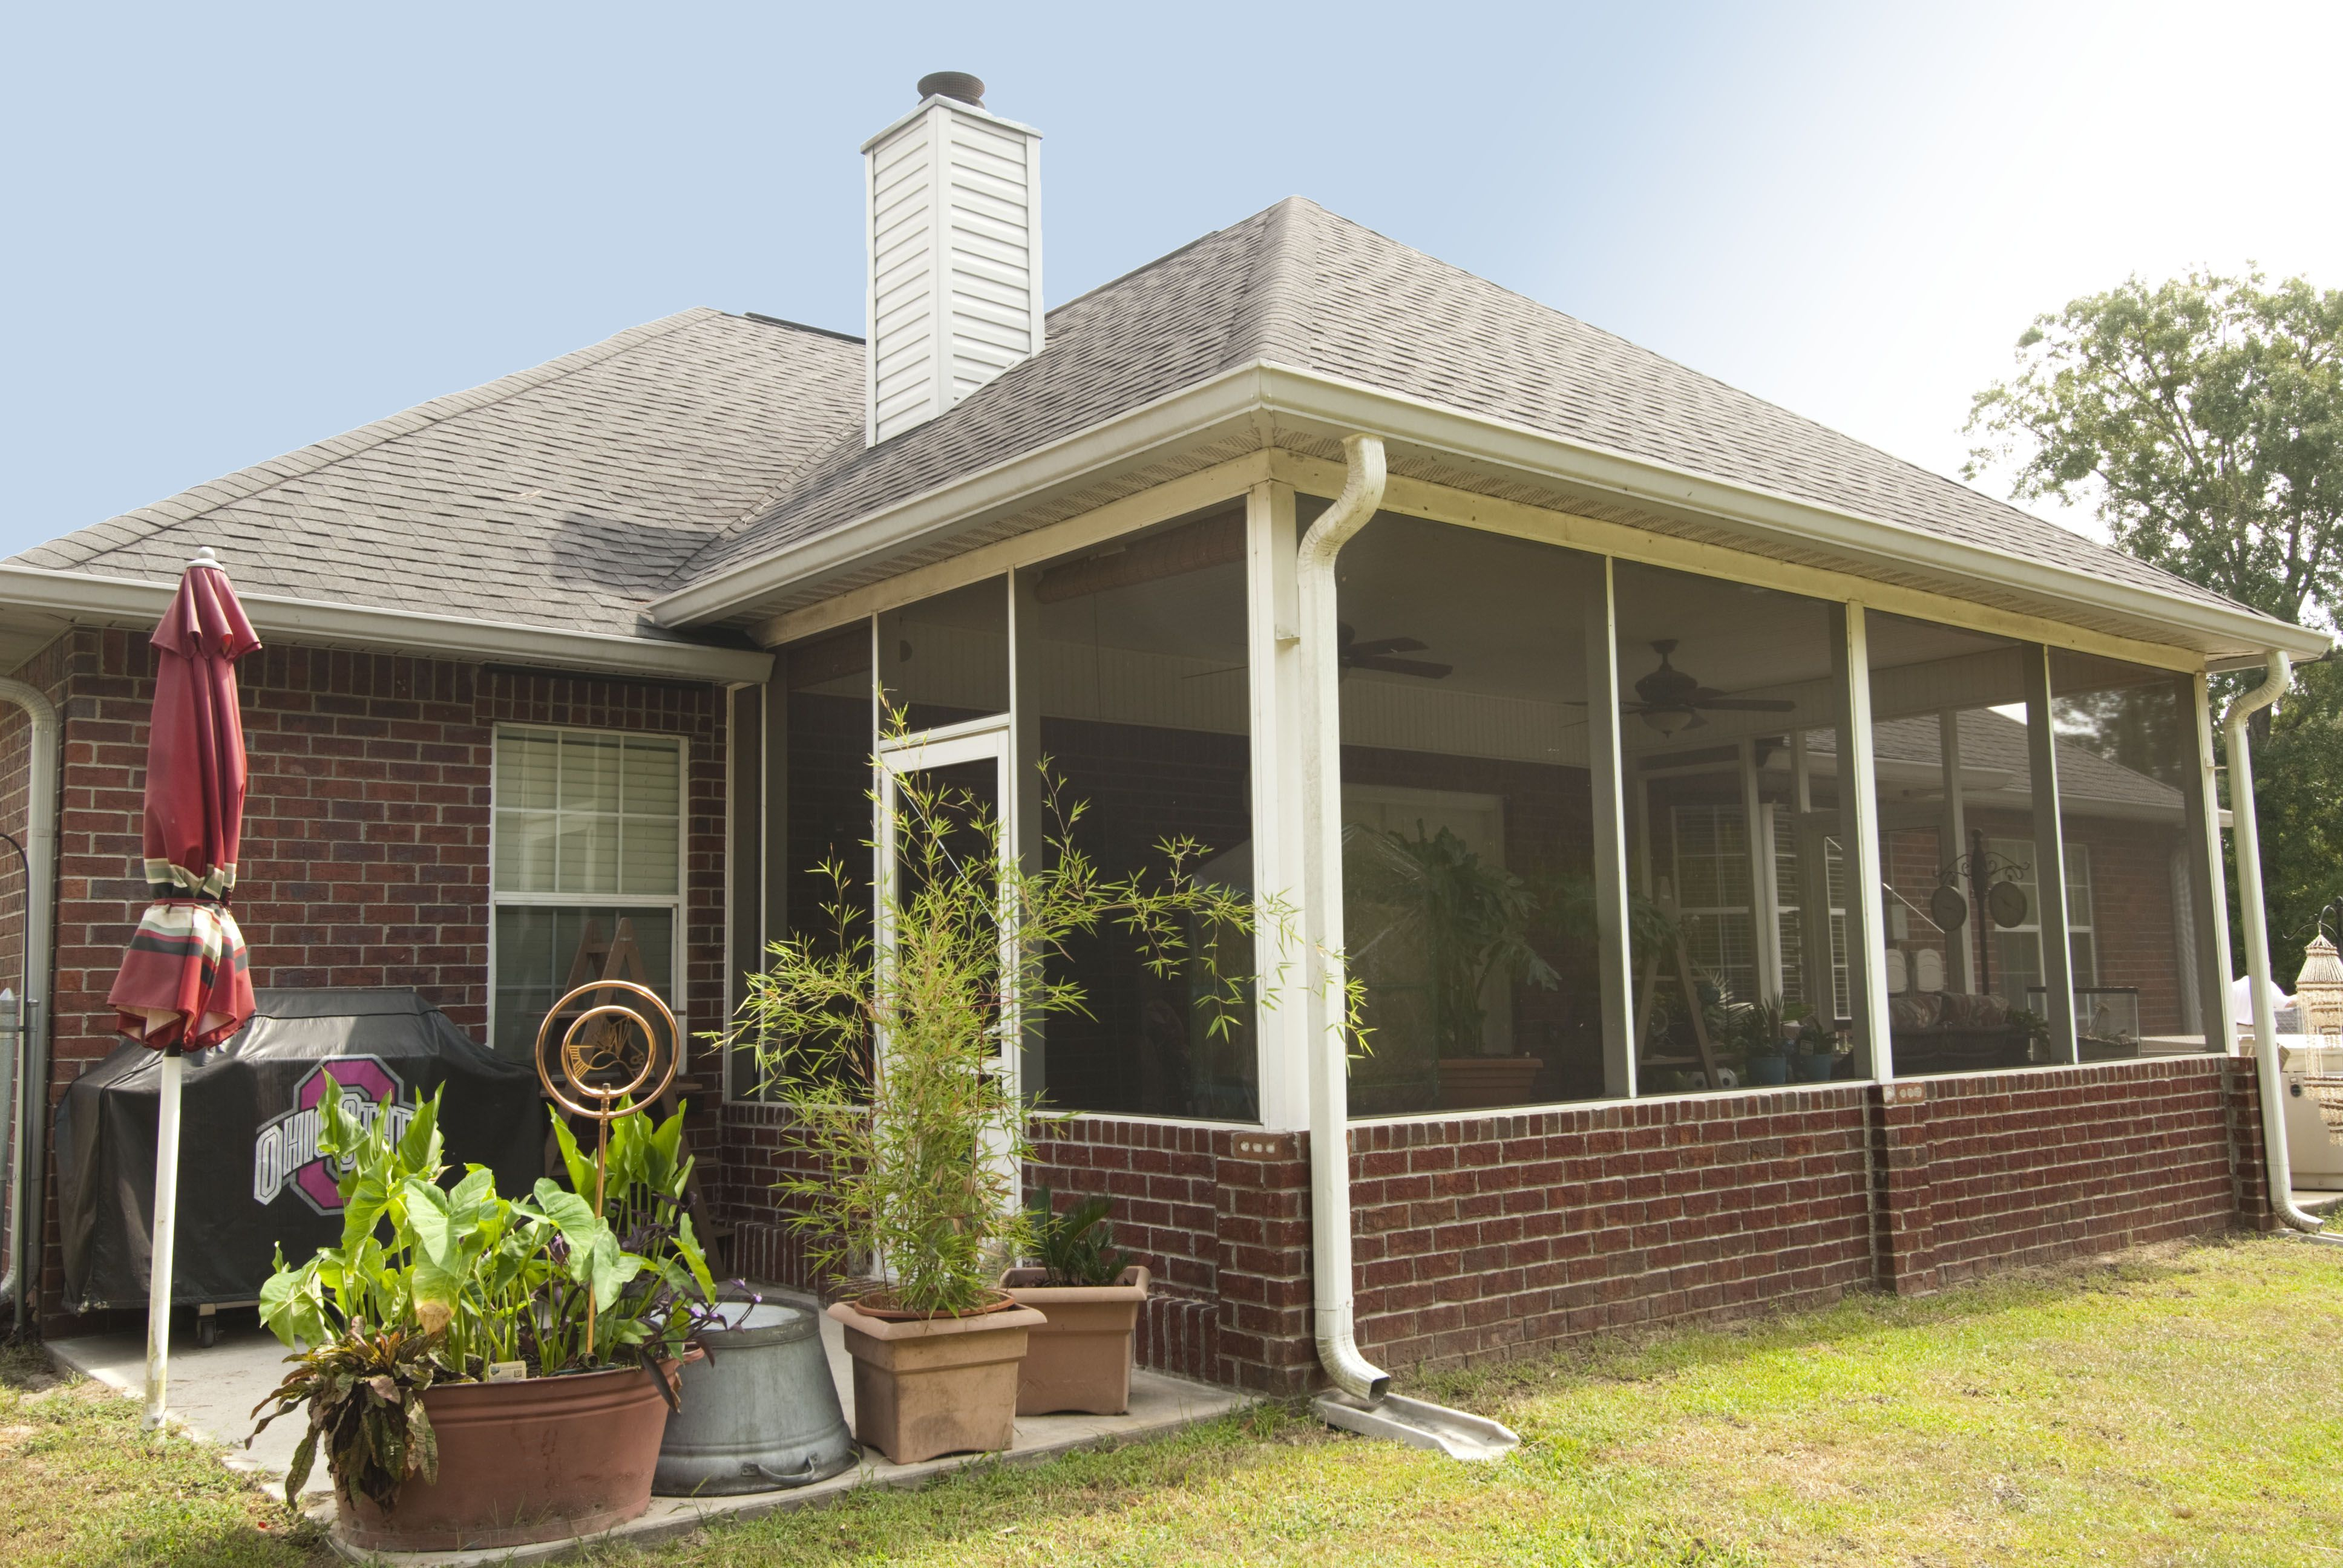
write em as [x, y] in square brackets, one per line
[953, 220]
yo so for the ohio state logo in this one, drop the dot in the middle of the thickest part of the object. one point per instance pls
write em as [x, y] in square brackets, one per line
[284, 1151]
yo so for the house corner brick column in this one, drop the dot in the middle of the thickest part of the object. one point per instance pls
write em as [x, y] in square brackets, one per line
[1904, 1216]
[2248, 1159]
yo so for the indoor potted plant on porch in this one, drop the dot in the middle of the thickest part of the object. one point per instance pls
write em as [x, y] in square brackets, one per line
[1091, 1294]
[894, 1061]
[483, 1371]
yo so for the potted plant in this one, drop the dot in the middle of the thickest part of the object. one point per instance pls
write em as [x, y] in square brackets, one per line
[1466, 922]
[891, 1062]
[1766, 1047]
[483, 1371]
[1814, 1055]
[1091, 1295]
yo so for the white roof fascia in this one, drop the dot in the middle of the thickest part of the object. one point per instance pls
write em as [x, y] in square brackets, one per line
[90, 598]
[1483, 441]
[1229, 397]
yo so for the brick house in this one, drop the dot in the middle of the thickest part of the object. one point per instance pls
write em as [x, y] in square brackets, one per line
[1376, 578]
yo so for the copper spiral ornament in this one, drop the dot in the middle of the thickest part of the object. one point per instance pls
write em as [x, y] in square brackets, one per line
[593, 1056]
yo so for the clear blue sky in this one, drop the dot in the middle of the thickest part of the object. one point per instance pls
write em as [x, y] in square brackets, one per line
[235, 230]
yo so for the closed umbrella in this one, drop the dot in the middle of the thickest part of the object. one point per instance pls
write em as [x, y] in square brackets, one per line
[185, 984]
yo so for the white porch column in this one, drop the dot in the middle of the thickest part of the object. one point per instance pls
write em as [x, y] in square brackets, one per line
[1859, 815]
[1764, 901]
[2049, 859]
[1956, 844]
[1273, 643]
[2205, 832]
[1604, 767]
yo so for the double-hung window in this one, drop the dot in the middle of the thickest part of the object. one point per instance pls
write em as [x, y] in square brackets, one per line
[588, 869]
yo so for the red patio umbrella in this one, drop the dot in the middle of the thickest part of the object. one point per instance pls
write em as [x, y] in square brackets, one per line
[185, 982]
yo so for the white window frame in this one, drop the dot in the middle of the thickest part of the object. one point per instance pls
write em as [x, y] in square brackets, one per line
[2032, 925]
[678, 902]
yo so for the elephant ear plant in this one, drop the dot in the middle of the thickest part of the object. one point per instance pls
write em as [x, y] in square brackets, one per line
[894, 1061]
[436, 1285]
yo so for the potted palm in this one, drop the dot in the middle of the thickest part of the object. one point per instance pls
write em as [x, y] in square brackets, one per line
[485, 1372]
[1468, 923]
[1091, 1294]
[893, 1062]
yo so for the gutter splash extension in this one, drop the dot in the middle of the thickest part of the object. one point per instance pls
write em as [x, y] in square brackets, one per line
[28, 1113]
[1365, 1402]
[2278, 1158]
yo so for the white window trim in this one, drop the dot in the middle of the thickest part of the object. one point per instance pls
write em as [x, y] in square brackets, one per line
[678, 902]
[2032, 925]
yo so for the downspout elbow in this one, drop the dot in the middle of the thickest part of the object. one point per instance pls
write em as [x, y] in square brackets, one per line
[1330, 1160]
[2254, 915]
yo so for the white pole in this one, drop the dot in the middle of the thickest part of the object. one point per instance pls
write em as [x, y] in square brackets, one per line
[166, 1216]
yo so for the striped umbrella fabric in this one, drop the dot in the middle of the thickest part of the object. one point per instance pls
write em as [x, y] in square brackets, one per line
[186, 982]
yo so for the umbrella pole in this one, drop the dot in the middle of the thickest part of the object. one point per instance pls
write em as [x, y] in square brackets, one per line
[166, 1218]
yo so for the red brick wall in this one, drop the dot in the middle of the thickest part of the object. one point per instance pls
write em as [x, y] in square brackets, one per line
[1489, 1234]
[365, 858]
[2019, 1168]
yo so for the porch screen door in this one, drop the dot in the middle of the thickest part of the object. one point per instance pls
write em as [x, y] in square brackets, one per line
[969, 767]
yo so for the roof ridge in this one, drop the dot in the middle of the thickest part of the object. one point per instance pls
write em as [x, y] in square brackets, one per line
[1272, 308]
[245, 483]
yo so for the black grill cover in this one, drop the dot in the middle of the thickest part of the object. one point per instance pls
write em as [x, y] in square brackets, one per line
[249, 1174]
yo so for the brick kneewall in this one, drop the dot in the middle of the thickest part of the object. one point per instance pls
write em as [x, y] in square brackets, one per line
[1501, 1233]
[1490, 1234]
[2005, 1170]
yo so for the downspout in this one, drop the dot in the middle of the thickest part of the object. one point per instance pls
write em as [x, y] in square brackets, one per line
[1321, 806]
[2250, 909]
[1365, 1402]
[27, 1155]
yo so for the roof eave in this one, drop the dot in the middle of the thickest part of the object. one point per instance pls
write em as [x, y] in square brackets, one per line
[89, 598]
[2226, 633]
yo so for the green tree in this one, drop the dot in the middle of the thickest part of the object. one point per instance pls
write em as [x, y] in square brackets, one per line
[2203, 417]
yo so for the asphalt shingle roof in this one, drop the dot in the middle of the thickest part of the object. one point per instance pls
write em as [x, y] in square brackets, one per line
[573, 494]
[1301, 287]
[562, 496]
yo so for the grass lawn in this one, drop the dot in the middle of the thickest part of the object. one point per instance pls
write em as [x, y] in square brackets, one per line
[2179, 1406]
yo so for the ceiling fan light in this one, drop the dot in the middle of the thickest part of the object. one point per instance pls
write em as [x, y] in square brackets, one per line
[1669, 720]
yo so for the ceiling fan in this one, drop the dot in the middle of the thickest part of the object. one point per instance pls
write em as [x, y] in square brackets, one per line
[1376, 654]
[1672, 700]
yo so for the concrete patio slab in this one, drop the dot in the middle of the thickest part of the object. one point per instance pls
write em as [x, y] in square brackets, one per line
[213, 1391]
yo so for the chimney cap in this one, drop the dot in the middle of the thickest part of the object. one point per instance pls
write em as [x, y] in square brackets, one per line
[957, 85]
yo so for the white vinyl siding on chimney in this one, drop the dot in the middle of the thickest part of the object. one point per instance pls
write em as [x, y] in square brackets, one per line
[954, 212]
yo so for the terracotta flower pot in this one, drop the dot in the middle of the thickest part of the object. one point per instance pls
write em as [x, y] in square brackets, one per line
[925, 1386]
[1081, 1359]
[1473, 1082]
[524, 1462]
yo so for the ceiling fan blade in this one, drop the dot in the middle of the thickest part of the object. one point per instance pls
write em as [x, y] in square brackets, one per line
[1422, 669]
[1745, 704]
[1388, 645]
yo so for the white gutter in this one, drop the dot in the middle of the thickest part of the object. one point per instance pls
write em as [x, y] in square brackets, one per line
[92, 597]
[27, 1150]
[1241, 395]
[1322, 873]
[2279, 1160]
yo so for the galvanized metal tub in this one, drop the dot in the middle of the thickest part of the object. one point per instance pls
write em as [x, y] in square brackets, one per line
[760, 1414]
